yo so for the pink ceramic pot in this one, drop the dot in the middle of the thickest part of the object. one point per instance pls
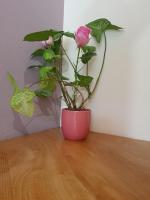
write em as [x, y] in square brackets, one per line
[75, 124]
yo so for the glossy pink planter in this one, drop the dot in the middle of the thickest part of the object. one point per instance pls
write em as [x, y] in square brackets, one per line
[75, 124]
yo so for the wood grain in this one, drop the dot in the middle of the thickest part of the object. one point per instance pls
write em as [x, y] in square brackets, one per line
[44, 166]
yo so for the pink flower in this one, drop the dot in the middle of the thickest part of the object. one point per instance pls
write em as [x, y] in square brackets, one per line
[48, 42]
[82, 36]
[44, 44]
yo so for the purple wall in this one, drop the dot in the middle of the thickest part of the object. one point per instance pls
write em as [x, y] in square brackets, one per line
[17, 18]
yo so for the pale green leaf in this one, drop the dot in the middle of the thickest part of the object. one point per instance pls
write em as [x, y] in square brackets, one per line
[49, 55]
[22, 101]
[45, 71]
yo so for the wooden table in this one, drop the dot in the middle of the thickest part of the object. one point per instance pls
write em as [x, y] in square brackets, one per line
[44, 166]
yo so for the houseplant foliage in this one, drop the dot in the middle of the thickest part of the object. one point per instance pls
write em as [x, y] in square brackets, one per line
[76, 91]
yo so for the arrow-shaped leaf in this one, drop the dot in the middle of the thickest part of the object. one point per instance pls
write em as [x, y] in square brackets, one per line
[99, 26]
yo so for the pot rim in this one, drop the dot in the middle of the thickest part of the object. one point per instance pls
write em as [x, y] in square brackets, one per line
[82, 110]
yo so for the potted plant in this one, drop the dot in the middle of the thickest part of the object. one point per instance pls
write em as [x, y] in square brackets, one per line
[75, 92]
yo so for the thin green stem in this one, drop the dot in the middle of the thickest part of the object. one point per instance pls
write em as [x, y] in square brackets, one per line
[77, 59]
[68, 57]
[87, 69]
[103, 62]
[76, 78]
[100, 73]
[65, 93]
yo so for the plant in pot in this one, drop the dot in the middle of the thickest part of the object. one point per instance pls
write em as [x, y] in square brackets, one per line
[75, 91]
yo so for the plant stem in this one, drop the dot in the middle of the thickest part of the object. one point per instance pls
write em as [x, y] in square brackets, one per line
[103, 62]
[82, 97]
[76, 78]
[67, 98]
[100, 73]
[65, 93]
[87, 69]
[77, 59]
[68, 57]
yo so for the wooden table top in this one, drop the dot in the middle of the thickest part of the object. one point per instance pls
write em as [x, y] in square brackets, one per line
[44, 166]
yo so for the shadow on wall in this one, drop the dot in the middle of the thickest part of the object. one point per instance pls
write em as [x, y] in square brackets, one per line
[44, 107]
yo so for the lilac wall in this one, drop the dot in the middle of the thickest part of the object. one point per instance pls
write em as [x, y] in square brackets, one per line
[17, 18]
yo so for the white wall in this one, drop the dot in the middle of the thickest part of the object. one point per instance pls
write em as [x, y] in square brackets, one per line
[121, 104]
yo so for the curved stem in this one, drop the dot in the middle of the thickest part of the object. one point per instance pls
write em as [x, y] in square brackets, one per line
[76, 66]
[103, 62]
[75, 71]
[68, 96]
[98, 78]
[64, 95]
[80, 93]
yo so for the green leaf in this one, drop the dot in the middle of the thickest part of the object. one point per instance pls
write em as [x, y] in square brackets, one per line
[113, 27]
[22, 101]
[48, 54]
[38, 52]
[47, 78]
[56, 47]
[45, 71]
[43, 93]
[87, 56]
[40, 36]
[58, 36]
[99, 26]
[68, 34]
[84, 81]
[48, 84]
[88, 49]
